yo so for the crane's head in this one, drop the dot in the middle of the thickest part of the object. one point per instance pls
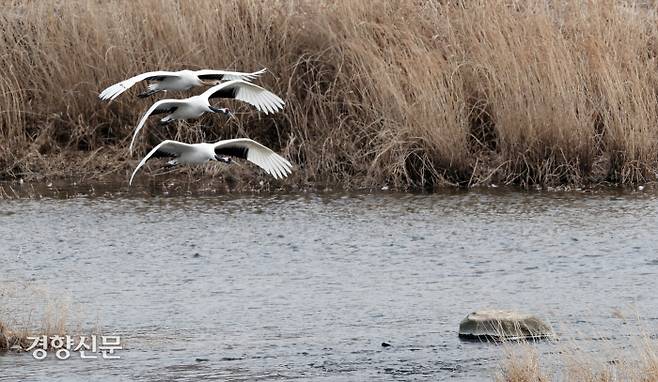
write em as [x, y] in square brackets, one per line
[222, 110]
[226, 160]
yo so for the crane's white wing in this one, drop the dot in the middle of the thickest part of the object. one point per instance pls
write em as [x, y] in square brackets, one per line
[113, 91]
[254, 152]
[255, 95]
[224, 75]
[162, 106]
[165, 148]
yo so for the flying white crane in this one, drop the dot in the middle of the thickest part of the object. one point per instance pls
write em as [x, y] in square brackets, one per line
[180, 80]
[198, 153]
[196, 106]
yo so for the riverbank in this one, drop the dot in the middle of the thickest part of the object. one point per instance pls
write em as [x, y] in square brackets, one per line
[408, 95]
[84, 173]
[202, 182]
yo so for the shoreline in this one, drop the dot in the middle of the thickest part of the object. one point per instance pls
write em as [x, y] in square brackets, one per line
[195, 184]
[81, 169]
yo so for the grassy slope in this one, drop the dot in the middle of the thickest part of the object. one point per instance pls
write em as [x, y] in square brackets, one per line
[404, 93]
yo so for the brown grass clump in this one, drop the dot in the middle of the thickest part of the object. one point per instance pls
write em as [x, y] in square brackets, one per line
[522, 364]
[20, 304]
[9, 339]
[409, 94]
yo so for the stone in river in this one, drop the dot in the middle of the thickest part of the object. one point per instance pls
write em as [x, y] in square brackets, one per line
[500, 325]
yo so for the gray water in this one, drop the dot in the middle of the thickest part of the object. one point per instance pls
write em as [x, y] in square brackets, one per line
[308, 286]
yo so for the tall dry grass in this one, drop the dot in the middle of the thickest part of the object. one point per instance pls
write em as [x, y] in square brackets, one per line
[404, 93]
[28, 310]
[524, 364]
[630, 357]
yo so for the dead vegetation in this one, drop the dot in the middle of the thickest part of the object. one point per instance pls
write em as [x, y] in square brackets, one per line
[403, 93]
[524, 365]
[636, 361]
[27, 310]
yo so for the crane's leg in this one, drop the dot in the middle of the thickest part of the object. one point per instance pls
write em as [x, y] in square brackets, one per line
[166, 120]
[150, 90]
[148, 93]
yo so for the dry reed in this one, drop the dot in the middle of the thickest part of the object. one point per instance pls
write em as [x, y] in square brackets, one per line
[403, 93]
[27, 310]
[637, 361]
[523, 365]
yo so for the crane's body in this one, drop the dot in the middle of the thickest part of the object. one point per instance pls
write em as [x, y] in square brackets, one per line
[180, 80]
[221, 151]
[195, 106]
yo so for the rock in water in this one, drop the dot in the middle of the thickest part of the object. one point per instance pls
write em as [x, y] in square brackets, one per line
[500, 325]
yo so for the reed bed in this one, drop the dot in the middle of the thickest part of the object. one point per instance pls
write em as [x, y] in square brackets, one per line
[407, 94]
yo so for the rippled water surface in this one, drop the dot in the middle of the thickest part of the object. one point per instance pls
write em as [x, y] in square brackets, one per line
[263, 287]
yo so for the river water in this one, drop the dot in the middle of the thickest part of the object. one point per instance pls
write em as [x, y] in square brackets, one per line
[308, 286]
